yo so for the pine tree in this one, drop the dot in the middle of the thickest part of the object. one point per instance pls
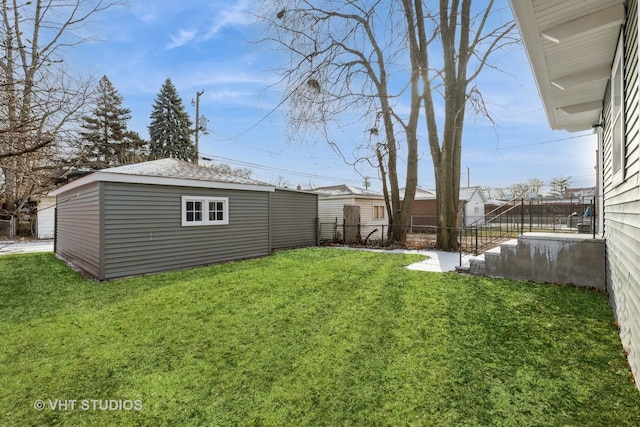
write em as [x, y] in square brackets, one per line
[170, 128]
[133, 149]
[557, 187]
[105, 140]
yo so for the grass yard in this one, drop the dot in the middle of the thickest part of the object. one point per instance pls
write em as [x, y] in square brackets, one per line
[312, 337]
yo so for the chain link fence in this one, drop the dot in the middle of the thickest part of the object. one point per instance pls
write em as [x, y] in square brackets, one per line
[418, 236]
[500, 222]
[12, 227]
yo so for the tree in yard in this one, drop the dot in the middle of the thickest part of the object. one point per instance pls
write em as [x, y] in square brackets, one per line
[404, 67]
[225, 169]
[280, 181]
[557, 187]
[518, 190]
[535, 185]
[170, 128]
[39, 98]
[105, 140]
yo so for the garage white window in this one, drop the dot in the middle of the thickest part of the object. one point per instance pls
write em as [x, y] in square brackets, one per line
[617, 115]
[205, 210]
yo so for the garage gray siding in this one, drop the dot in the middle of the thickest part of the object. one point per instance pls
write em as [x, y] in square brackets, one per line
[293, 219]
[143, 230]
[78, 228]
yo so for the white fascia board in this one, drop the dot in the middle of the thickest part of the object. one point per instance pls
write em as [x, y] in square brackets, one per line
[155, 180]
[351, 197]
[524, 16]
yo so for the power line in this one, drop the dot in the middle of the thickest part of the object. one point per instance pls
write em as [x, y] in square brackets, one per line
[278, 170]
[531, 144]
[253, 126]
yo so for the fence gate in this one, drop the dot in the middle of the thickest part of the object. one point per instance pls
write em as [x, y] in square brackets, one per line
[351, 224]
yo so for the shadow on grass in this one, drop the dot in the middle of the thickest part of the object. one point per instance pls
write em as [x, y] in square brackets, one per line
[309, 337]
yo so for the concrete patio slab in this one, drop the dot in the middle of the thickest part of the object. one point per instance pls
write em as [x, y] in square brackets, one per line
[436, 261]
[25, 246]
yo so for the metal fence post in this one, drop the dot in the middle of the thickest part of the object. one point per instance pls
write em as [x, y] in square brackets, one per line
[522, 216]
[593, 217]
[476, 229]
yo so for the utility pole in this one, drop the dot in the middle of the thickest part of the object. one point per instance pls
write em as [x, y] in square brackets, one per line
[198, 94]
[468, 177]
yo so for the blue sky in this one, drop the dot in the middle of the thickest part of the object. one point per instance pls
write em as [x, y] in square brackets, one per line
[210, 45]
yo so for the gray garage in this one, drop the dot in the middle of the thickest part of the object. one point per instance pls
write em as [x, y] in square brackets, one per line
[168, 214]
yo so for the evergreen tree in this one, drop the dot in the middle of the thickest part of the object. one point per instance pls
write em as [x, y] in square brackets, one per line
[170, 128]
[558, 186]
[105, 140]
[133, 149]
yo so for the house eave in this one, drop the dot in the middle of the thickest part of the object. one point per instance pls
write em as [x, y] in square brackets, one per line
[570, 47]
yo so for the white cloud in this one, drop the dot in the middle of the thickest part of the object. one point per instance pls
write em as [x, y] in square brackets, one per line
[238, 14]
[145, 11]
[181, 39]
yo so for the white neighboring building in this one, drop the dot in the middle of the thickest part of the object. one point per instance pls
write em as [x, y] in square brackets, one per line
[472, 205]
[331, 201]
[46, 217]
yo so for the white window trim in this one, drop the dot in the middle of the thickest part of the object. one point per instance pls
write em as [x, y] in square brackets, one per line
[618, 111]
[205, 210]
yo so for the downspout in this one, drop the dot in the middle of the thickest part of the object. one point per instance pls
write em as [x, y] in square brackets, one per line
[600, 178]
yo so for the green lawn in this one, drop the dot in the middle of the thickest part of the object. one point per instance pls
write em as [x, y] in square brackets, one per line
[307, 337]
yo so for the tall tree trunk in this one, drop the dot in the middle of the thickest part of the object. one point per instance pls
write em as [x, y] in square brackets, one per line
[447, 199]
[341, 57]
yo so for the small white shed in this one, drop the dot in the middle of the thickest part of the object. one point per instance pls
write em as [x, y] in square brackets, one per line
[46, 217]
[474, 200]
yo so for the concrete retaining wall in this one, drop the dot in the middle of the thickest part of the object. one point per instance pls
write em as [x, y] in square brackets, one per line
[575, 259]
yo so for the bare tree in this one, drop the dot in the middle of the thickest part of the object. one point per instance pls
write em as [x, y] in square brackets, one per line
[535, 185]
[499, 193]
[40, 97]
[225, 169]
[358, 62]
[488, 191]
[280, 181]
[518, 190]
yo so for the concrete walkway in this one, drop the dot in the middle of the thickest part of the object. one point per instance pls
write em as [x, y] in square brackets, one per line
[25, 246]
[437, 261]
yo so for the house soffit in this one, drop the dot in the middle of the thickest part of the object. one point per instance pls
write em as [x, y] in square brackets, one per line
[570, 45]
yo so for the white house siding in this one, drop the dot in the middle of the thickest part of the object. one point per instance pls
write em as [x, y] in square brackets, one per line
[474, 213]
[46, 217]
[78, 228]
[474, 202]
[367, 222]
[331, 211]
[330, 214]
[622, 205]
